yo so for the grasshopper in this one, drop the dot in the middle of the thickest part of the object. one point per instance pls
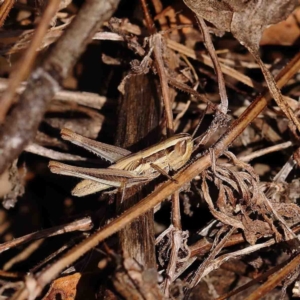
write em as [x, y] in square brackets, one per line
[127, 169]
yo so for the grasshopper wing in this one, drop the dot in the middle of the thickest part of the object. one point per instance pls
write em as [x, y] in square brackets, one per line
[102, 178]
[106, 151]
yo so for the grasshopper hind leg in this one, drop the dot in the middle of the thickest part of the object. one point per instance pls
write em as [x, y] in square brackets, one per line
[123, 187]
[162, 172]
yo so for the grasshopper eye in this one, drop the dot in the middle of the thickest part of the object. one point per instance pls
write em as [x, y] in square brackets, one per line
[180, 148]
[181, 153]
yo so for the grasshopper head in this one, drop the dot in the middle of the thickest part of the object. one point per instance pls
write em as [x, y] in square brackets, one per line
[182, 152]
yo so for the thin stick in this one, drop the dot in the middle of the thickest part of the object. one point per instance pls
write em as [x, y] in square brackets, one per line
[207, 61]
[51, 256]
[83, 98]
[275, 91]
[49, 153]
[157, 43]
[5, 9]
[265, 151]
[198, 274]
[217, 67]
[149, 22]
[285, 170]
[82, 225]
[23, 255]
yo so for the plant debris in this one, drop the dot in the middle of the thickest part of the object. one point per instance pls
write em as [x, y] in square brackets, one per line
[194, 190]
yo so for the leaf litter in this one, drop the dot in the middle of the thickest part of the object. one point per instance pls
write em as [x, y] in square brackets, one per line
[248, 215]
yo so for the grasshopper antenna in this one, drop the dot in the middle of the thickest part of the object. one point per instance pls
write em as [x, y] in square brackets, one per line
[198, 140]
[199, 123]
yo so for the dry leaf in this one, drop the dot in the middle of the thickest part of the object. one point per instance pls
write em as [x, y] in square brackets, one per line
[63, 288]
[245, 19]
[285, 33]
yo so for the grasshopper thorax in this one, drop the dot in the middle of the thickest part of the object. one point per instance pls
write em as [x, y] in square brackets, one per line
[182, 152]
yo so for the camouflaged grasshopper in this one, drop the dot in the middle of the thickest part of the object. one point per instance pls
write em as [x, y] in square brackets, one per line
[128, 169]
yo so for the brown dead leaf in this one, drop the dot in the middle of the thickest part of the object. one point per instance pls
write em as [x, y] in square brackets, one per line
[63, 288]
[255, 228]
[245, 19]
[176, 14]
[288, 210]
[285, 33]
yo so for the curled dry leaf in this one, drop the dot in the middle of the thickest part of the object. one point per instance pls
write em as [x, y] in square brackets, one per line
[255, 228]
[245, 19]
[288, 210]
[242, 204]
